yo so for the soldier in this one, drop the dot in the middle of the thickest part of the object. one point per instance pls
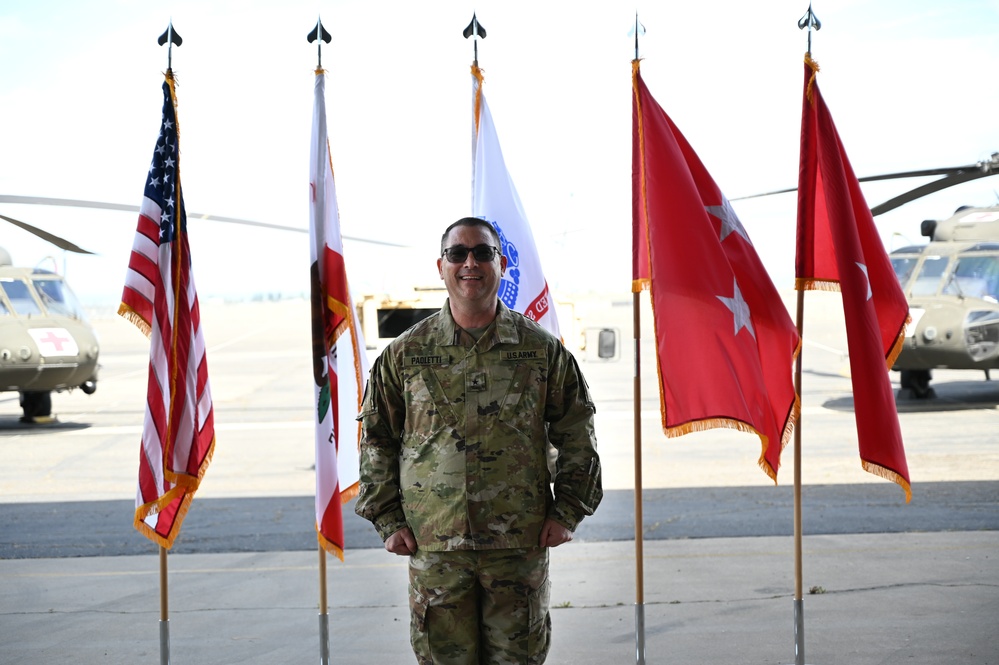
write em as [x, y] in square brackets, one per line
[457, 421]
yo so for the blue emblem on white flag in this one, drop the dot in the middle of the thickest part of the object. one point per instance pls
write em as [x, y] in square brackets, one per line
[510, 284]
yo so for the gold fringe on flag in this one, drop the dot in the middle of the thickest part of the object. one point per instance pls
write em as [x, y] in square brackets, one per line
[789, 425]
[344, 310]
[888, 474]
[639, 285]
[477, 73]
[815, 70]
[186, 480]
[813, 284]
[642, 283]
[896, 347]
[707, 424]
[148, 509]
[135, 319]
[327, 545]
[188, 490]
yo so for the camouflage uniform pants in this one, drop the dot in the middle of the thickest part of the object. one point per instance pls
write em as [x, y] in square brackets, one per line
[480, 606]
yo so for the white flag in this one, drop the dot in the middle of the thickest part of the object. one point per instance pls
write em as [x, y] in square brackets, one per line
[494, 198]
[339, 361]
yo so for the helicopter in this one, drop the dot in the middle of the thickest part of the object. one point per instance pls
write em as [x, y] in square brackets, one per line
[951, 283]
[46, 343]
[952, 286]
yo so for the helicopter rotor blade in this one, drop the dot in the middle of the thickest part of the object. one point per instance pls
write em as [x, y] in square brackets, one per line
[77, 203]
[61, 243]
[953, 175]
[947, 171]
[928, 188]
[760, 195]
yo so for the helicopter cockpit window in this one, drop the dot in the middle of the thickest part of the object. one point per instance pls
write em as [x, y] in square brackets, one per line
[975, 277]
[928, 280]
[58, 298]
[903, 266]
[19, 295]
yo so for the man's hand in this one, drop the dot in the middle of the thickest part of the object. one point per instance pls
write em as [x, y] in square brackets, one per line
[554, 534]
[401, 542]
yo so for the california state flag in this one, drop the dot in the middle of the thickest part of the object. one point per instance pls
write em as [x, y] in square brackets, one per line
[339, 363]
[494, 198]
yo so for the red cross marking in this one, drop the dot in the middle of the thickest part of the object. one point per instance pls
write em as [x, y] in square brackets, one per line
[55, 340]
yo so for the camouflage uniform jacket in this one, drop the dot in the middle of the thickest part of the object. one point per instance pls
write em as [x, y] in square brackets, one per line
[456, 432]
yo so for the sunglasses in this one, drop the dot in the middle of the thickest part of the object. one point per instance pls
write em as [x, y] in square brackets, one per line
[481, 253]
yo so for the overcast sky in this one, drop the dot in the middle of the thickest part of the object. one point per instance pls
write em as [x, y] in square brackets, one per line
[910, 84]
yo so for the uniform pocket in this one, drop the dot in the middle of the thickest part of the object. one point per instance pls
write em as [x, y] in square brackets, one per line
[540, 623]
[419, 606]
[523, 404]
[428, 409]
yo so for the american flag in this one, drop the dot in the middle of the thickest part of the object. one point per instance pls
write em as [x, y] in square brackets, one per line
[178, 434]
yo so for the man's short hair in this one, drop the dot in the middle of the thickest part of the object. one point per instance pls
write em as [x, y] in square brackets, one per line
[473, 221]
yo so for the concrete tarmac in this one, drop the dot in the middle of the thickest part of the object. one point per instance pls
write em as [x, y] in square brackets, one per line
[870, 599]
[884, 583]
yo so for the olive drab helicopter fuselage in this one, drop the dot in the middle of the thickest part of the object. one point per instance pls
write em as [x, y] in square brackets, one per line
[952, 286]
[46, 344]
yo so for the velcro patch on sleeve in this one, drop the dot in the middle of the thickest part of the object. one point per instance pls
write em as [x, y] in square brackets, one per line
[526, 354]
[431, 360]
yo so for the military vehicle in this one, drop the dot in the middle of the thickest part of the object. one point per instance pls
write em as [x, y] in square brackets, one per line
[46, 343]
[951, 283]
[383, 317]
[952, 286]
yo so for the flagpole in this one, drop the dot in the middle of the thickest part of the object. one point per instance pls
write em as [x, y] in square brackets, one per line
[799, 615]
[475, 30]
[324, 617]
[639, 555]
[169, 37]
[637, 418]
[320, 35]
[164, 610]
[809, 21]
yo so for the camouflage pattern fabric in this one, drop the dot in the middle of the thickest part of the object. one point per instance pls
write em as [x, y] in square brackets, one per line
[456, 433]
[488, 607]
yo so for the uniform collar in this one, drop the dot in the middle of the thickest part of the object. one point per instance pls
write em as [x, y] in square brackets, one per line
[503, 329]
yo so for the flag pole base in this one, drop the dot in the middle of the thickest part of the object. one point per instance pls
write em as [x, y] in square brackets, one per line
[639, 634]
[164, 642]
[324, 639]
[799, 632]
